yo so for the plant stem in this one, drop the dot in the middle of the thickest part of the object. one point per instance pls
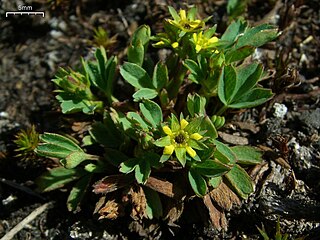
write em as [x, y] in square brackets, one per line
[175, 84]
[222, 110]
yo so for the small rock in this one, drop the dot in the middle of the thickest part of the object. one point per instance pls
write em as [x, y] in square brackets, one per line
[56, 34]
[280, 110]
[4, 114]
[311, 118]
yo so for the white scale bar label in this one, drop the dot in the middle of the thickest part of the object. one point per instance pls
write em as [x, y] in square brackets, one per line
[25, 13]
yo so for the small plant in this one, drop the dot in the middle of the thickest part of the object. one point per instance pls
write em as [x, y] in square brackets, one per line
[167, 136]
[26, 141]
[101, 38]
[278, 235]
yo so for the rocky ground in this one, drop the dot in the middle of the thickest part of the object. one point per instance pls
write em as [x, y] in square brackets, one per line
[287, 128]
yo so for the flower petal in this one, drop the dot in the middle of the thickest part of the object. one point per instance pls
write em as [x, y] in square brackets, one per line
[213, 40]
[198, 48]
[195, 37]
[168, 150]
[183, 124]
[196, 136]
[191, 152]
[167, 130]
[175, 44]
[183, 14]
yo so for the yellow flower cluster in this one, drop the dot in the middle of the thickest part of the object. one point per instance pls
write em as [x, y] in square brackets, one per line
[179, 139]
[202, 42]
[186, 24]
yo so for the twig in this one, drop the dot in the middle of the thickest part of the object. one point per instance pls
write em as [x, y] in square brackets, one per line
[25, 221]
[22, 188]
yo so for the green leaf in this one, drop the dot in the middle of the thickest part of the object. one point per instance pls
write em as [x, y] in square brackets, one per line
[104, 74]
[173, 13]
[174, 123]
[152, 112]
[252, 98]
[248, 76]
[194, 125]
[144, 93]
[160, 76]
[138, 46]
[208, 126]
[197, 182]
[73, 106]
[135, 118]
[240, 181]
[210, 168]
[141, 35]
[154, 205]
[77, 193]
[95, 168]
[236, 8]
[110, 70]
[227, 84]
[258, 36]
[60, 140]
[129, 165]
[196, 105]
[136, 53]
[115, 157]
[162, 142]
[51, 150]
[237, 54]
[142, 171]
[233, 31]
[181, 155]
[58, 178]
[153, 159]
[225, 151]
[74, 159]
[197, 144]
[215, 181]
[92, 72]
[196, 74]
[106, 134]
[247, 155]
[136, 75]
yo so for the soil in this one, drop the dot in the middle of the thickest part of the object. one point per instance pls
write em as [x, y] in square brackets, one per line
[32, 49]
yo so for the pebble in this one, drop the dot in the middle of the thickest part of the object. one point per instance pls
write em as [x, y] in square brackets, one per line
[56, 34]
[280, 110]
[4, 114]
[311, 118]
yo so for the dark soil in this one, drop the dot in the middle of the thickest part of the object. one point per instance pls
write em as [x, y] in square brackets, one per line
[32, 49]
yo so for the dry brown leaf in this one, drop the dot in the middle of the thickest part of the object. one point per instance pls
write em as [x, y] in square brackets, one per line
[224, 197]
[80, 127]
[174, 210]
[112, 183]
[111, 210]
[217, 218]
[99, 204]
[165, 187]
[236, 140]
[139, 202]
[257, 172]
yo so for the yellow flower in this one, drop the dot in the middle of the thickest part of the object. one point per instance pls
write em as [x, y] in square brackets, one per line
[175, 45]
[180, 140]
[184, 22]
[203, 42]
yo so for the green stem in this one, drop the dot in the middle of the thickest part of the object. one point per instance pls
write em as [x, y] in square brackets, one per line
[222, 110]
[175, 84]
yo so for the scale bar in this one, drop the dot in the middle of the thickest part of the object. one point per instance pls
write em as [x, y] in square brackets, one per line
[24, 13]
